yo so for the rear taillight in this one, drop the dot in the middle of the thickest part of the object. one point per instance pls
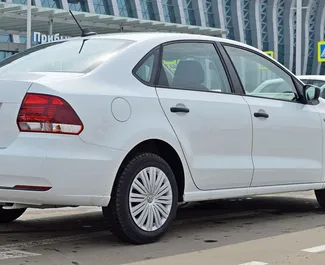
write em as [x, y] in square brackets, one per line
[47, 114]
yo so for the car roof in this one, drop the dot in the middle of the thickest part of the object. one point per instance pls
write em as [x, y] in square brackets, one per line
[166, 37]
[312, 77]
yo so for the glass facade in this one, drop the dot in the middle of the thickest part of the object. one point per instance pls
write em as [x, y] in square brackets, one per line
[125, 8]
[169, 11]
[245, 4]
[311, 41]
[5, 38]
[322, 67]
[209, 17]
[5, 54]
[22, 2]
[228, 19]
[294, 19]
[78, 5]
[101, 7]
[280, 20]
[263, 17]
[147, 9]
[51, 3]
[266, 24]
[189, 12]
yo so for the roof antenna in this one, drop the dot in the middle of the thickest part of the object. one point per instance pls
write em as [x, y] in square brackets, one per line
[84, 31]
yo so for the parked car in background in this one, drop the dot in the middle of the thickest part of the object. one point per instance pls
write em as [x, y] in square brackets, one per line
[316, 80]
[138, 122]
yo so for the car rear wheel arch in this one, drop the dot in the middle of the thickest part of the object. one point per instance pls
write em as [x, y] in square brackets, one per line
[166, 152]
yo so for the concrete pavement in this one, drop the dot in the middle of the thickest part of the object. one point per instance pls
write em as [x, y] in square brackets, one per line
[279, 229]
[283, 249]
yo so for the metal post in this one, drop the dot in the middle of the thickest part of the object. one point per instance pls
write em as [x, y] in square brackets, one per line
[51, 27]
[29, 23]
[298, 37]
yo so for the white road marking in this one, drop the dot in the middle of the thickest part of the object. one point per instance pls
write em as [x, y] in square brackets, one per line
[50, 241]
[15, 254]
[254, 263]
[315, 249]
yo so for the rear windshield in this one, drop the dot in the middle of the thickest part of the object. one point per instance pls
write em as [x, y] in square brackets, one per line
[78, 56]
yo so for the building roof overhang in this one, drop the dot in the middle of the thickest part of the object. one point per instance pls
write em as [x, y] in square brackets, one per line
[13, 19]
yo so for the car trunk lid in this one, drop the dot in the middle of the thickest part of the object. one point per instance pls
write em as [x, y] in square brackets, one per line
[11, 95]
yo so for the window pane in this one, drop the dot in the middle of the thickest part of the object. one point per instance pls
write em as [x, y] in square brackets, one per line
[78, 5]
[125, 8]
[5, 38]
[144, 72]
[5, 54]
[147, 9]
[101, 7]
[169, 12]
[194, 66]
[318, 83]
[51, 3]
[260, 77]
[189, 12]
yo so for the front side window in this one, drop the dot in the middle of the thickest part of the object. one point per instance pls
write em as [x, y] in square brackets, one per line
[79, 56]
[260, 77]
[193, 66]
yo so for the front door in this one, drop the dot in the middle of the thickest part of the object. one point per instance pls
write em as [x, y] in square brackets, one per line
[287, 135]
[212, 124]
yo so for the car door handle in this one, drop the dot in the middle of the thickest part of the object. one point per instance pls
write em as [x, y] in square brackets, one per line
[179, 109]
[261, 115]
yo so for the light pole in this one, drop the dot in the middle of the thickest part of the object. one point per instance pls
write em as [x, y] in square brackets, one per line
[29, 23]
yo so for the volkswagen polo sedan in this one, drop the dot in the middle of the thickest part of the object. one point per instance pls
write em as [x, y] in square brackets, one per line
[137, 123]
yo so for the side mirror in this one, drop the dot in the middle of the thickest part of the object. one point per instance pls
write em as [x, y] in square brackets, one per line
[311, 93]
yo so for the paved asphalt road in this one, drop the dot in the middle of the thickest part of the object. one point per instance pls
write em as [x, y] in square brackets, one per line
[279, 229]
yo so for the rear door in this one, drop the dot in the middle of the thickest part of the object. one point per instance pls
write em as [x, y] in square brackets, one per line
[213, 124]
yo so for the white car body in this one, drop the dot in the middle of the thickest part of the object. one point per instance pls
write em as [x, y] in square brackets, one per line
[233, 157]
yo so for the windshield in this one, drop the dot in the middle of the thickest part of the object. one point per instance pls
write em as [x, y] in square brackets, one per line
[79, 56]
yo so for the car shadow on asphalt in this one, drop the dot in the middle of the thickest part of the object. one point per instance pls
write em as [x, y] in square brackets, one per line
[220, 222]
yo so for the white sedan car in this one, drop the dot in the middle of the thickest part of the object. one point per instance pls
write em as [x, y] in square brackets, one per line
[139, 122]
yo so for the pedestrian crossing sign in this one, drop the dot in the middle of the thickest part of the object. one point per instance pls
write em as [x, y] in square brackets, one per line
[321, 52]
[270, 53]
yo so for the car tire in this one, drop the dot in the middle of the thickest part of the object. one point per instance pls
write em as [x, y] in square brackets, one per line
[320, 196]
[144, 200]
[8, 216]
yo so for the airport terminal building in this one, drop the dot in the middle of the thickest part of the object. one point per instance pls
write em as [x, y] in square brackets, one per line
[269, 25]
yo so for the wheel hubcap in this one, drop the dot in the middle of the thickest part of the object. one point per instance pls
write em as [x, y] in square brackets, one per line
[150, 199]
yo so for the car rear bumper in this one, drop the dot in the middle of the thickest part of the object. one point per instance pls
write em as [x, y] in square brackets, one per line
[77, 173]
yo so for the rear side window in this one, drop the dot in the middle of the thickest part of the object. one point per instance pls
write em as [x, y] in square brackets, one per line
[79, 55]
[145, 70]
[193, 66]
